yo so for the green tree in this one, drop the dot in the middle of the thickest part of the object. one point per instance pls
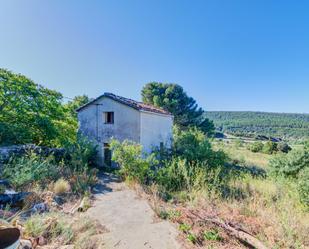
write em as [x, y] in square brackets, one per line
[174, 99]
[77, 102]
[256, 147]
[30, 113]
[270, 147]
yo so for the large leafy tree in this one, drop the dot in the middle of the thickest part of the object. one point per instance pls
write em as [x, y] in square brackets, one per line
[77, 102]
[31, 113]
[174, 99]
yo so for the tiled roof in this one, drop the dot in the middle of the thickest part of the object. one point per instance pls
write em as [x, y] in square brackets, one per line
[129, 102]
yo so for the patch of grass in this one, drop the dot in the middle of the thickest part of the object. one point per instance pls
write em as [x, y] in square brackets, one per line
[60, 229]
[192, 238]
[212, 235]
[61, 186]
[50, 226]
[184, 227]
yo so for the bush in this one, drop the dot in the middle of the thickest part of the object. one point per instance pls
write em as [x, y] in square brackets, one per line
[179, 174]
[134, 166]
[270, 147]
[284, 147]
[24, 171]
[303, 186]
[194, 164]
[256, 147]
[192, 145]
[61, 186]
[291, 164]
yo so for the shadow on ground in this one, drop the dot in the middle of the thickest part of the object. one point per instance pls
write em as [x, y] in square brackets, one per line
[104, 180]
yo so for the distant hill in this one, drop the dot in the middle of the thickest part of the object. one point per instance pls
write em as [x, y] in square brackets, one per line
[250, 124]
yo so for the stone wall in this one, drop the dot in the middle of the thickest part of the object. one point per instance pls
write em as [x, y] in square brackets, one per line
[18, 150]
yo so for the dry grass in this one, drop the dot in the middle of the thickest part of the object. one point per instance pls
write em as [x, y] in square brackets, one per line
[269, 209]
[61, 186]
[60, 229]
[242, 154]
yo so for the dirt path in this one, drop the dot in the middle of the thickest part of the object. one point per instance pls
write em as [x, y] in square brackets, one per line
[129, 219]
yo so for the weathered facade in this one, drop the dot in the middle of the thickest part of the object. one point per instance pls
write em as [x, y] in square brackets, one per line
[111, 116]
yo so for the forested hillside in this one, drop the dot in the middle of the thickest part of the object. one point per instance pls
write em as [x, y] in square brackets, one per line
[284, 125]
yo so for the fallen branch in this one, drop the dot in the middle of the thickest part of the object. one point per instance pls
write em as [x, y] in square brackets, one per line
[239, 233]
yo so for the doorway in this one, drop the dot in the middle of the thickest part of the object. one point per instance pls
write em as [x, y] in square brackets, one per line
[107, 155]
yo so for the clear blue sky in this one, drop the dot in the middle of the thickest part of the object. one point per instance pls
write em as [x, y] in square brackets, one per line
[228, 55]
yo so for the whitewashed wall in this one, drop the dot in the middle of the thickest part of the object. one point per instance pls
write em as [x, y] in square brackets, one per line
[155, 128]
[126, 123]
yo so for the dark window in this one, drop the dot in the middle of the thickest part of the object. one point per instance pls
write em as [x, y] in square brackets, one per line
[107, 155]
[108, 117]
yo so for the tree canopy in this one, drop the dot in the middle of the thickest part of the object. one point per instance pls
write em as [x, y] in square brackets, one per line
[174, 99]
[31, 113]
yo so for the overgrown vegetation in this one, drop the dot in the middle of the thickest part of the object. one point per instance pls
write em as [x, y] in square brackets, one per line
[224, 180]
[75, 167]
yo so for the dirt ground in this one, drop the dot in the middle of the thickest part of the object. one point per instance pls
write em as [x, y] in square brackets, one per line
[130, 220]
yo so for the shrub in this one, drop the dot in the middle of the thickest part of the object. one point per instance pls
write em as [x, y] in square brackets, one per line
[50, 226]
[24, 171]
[192, 145]
[134, 166]
[303, 186]
[291, 164]
[270, 147]
[284, 147]
[211, 235]
[256, 147]
[61, 186]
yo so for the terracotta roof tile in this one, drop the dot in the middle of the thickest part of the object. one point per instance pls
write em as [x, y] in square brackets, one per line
[130, 102]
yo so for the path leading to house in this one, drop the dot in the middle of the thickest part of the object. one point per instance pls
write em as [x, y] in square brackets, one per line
[129, 219]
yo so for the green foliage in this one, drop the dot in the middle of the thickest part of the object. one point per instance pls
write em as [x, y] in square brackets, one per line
[193, 146]
[289, 165]
[212, 235]
[295, 166]
[184, 227]
[192, 238]
[31, 113]
[283, 147]
[174, 99]
[134, 166]
[270, 148]
[303, 185]
[77, 102]
[256, 147]
[24, 171]
[194, 165]
[289, 126]
[37, 225]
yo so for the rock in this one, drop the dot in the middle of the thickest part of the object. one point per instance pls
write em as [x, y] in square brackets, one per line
[59, 200]
[25, 244]
[42, 241]
[40, 208]
[13, 199]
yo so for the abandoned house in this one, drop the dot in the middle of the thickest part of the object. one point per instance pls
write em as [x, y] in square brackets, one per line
[111, 116]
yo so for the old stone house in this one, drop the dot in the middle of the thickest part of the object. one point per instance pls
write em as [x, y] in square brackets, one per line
[111, 116]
